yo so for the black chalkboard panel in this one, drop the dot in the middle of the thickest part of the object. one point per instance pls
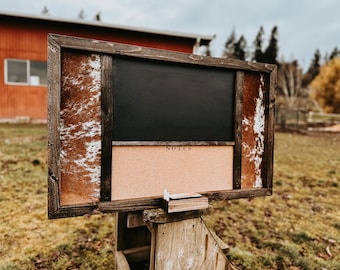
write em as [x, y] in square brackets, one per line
[165, 101]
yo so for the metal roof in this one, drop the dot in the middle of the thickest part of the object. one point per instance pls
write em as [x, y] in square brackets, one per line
[202, 39]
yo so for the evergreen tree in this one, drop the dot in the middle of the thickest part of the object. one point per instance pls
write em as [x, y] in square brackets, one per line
[81, 15]
[334, 53]
[97, 17]
[229, 47]
[313, 69]
[326, 58]
[315, 65]
[44, 11]
[239, 48]
[271, 52]
[235, 48]
[258, 54]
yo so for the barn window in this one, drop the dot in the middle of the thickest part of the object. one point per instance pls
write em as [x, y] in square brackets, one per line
[38, 73]
[25, 72]
[16, 71]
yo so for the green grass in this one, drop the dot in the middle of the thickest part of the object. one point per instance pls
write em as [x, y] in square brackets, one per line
[296, 228]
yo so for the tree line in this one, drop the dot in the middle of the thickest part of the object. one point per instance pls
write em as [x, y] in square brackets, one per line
[81, 14]
[294, 85]
[238, 47]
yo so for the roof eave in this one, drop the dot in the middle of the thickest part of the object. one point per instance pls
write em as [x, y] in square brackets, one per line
[203, 40]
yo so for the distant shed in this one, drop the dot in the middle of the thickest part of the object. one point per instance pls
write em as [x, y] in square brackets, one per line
[23, 56]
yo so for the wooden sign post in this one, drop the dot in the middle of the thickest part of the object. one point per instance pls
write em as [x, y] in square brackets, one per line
[173, 241]
[127, 122]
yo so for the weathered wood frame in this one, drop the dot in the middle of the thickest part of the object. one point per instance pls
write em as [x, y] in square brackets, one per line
[245, 71]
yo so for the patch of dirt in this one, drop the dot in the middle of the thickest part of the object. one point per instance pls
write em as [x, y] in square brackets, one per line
[24, 139]
[326, 129]
[335, 128]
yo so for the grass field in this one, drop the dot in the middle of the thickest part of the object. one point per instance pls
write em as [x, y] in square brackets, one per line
[296, 228]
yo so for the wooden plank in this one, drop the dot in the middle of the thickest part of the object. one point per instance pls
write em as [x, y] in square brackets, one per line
[53, 196]
[149, 203]
[223, 246]
[187, 244]
[239, 84]
[187, 204]
[270, 131]
[137, 254]
[121, 261]
[152, 203]
[156, 54]
[53, 127]
[238, 194]
[134, 220]
[159, 215]
[129, 205]
[68, 211]
[107, 125]
[130, 238]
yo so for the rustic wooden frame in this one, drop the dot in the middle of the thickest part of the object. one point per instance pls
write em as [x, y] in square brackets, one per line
[58, 44]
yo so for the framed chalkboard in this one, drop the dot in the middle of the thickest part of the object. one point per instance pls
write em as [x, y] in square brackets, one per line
[126, 122]
[157, 101]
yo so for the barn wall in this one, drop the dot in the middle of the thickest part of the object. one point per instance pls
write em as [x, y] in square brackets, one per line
[24, 38]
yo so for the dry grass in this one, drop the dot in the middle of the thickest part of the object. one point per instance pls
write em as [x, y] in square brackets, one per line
[299, 226]
[28, 239]
[296, 228]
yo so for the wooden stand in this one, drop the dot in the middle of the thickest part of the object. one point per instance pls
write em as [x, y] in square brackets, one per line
[156, 240]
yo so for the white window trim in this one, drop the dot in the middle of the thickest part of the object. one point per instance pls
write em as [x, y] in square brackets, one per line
[6, 71]
[28, 73]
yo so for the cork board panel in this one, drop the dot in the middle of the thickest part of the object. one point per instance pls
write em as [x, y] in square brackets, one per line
[253, 127]
[80, 128]
[145, 171]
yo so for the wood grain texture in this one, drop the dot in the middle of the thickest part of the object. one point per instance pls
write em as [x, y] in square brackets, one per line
[53, 127]
[188, 204]
[159, 215]
[107, 126]
[238, 107]
[187, 244]
[270, 131]
[121, 261]
[157, 54]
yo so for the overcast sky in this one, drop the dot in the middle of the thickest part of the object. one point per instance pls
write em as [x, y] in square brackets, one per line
[303, 25]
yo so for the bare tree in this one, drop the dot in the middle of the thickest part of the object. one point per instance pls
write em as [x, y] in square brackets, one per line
[290, 82]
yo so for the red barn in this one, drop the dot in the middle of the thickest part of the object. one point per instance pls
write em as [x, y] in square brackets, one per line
[23, 56]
